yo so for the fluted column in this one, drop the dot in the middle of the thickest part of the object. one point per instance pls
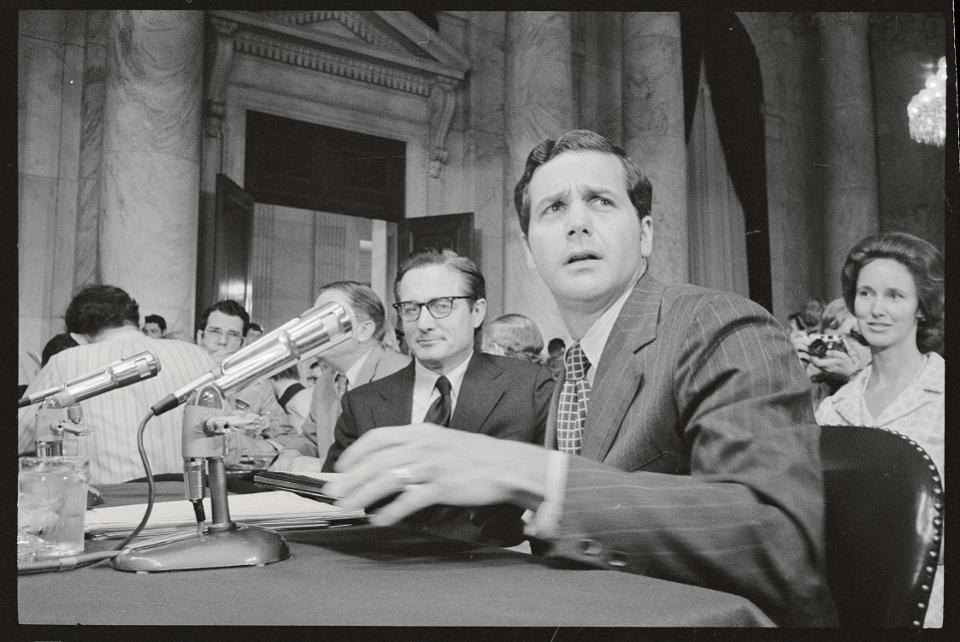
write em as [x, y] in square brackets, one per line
[151, 160]
[652, 87]
[851, 206]
[539, 105]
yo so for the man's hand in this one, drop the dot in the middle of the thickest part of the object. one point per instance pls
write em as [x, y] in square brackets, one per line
[431, 465]
[291, 461]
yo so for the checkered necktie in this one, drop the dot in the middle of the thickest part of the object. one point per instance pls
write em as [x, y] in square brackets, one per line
[574, 396]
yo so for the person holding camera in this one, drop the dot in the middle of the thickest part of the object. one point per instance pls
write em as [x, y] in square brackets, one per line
[893, 283]
[836, 353]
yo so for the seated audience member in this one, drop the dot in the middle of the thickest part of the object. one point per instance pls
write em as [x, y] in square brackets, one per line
[893, 283]
[154, 326]
[315, 371]
[292, 395]
[58, 343]
[359, 360]
[254, 332]
[222, 328]
[513, 335]
[829, 366]
[108, 320]
[683, 445]
[802, 324]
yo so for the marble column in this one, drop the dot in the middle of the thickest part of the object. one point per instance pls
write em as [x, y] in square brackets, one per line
[652, 95]
[850, 193]
[539, 105]
[151, 160]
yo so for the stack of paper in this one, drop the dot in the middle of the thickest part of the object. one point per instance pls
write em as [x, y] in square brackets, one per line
[279, 510]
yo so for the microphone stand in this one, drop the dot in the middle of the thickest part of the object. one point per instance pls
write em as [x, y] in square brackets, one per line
[52, 421]
[223, 542]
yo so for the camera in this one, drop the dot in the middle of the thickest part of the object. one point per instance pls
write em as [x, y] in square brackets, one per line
[820, 343]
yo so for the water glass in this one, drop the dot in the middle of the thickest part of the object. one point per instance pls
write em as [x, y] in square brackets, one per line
[51, 505]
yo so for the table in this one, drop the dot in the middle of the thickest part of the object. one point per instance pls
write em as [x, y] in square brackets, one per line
[367, 576]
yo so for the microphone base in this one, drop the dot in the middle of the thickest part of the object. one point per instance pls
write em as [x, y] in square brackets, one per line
[240, 546]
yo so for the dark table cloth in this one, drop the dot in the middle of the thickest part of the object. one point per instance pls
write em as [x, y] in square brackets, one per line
[361, 575]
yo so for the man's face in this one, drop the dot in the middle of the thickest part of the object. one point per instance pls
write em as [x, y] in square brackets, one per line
[152, 330]
[363, 327]
[439, 344]
[222, 336]
[585, 237]
[252, 335]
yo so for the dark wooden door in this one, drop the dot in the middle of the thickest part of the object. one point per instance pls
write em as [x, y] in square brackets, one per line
[223, 247]
[454, 231]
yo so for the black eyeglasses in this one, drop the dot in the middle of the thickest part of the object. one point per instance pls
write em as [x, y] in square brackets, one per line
[440, 308]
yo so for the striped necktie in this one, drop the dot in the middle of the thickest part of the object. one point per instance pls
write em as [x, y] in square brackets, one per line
[574, 396]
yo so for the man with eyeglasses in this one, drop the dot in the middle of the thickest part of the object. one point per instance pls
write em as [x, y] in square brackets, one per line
[441, 304]
[222, 328]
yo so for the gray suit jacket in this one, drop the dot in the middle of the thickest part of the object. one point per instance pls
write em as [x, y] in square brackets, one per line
[325, 404]
[700, 460]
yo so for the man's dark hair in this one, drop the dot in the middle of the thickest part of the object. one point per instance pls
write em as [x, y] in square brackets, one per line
[58, 343]
[579, 140]
[255, 326]
[473, 279]
[230, 308]
[98, 307]
[364, 302]
[156, 318]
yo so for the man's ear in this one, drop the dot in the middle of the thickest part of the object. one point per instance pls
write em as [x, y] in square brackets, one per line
[364, 330]
[479, 312]
[646, 236]
[199, 336]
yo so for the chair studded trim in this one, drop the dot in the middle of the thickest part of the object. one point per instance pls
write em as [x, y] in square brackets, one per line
[884, 525]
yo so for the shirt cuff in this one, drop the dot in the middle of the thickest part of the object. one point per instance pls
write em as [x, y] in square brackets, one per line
[544, 523]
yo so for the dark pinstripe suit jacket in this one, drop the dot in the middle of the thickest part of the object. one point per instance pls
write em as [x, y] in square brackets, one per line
[700, 456]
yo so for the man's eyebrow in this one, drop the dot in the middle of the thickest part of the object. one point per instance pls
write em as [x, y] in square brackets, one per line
[550, 198]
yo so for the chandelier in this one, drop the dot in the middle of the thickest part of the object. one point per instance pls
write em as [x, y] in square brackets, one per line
[927, 110]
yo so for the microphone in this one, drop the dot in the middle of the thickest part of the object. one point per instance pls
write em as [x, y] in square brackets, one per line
[116, 375]
[314, 331]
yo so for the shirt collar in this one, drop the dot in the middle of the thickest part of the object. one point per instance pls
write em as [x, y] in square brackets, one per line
[426, 379]
[595, 338]
[353, 372]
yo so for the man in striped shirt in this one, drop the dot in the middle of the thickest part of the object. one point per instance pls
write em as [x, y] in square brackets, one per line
[109, 320]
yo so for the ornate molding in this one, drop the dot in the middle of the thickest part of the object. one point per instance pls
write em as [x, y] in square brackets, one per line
[349, 19]
[219, 72]
[442, 103]
[331, 63]
[383, 48]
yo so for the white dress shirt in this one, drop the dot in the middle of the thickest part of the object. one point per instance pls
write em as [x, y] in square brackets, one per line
[425, 391]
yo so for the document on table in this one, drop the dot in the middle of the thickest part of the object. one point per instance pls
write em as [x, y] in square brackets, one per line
[279, 510]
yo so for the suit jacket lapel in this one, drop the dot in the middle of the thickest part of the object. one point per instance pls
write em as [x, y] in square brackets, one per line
[481, 374]
[620, 372]
[397, 400]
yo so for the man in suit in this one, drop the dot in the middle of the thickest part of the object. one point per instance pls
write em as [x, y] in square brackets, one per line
[442, 302]
[352, 363]
[681, 443]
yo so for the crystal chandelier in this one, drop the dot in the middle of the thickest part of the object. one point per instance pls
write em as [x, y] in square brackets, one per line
[927, 110]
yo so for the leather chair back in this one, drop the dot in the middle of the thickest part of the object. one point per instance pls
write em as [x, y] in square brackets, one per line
[884, 524]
